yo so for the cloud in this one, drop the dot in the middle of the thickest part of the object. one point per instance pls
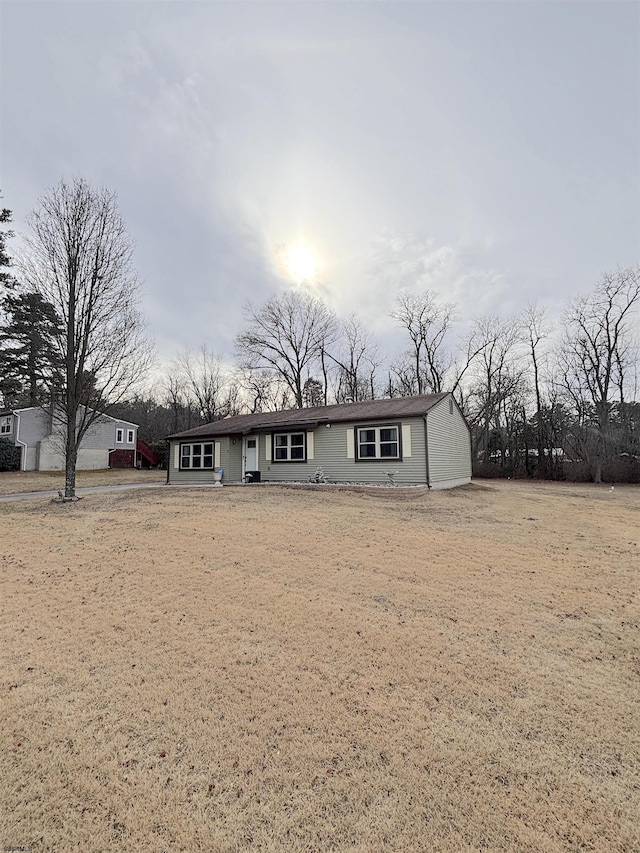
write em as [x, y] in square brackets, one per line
[456, 274]
[229, 130]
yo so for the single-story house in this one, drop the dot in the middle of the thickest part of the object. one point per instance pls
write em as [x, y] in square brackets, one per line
[109, 442]
[406, 440]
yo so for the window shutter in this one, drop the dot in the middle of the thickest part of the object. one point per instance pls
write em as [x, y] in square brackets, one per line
[267, 448]
[406, 440]
[176, 455]
[216, 454]
[351, 449]
[309, 445]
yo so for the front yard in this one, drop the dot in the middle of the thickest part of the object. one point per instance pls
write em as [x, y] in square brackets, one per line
[282, 669]
[15, 482]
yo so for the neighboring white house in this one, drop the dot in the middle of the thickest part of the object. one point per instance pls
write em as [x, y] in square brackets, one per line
[109, 442]
[405, 440]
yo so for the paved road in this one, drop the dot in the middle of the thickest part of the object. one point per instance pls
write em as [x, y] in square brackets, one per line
[80, 492]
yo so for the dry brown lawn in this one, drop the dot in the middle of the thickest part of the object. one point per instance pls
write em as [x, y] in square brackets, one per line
[16, 482]
[281, 669]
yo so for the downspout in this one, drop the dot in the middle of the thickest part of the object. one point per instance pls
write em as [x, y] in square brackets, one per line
[168, 461]
[426, 450]
[23, 456]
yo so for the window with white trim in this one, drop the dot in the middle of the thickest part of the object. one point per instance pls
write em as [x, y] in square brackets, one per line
[289, 447]
[6, 424]
[130, 434]
[378, 442]
[119, 436]
[196, 456]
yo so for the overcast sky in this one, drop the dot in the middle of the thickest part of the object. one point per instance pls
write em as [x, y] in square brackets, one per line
[489, 151]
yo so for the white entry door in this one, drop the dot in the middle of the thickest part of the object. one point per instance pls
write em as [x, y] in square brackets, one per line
[250, 455]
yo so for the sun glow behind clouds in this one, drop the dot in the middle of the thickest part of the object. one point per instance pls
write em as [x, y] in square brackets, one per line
[301, 264]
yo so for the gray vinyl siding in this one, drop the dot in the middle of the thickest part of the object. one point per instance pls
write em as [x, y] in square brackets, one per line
[125, 427]
[35, 424]
[330, 454]
[230, 462]
[231, 458]
[190, 478]
[234, 471]
[449, 444]
[101, 435]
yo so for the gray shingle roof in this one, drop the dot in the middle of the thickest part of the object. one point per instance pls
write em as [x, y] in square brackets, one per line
[368, 410]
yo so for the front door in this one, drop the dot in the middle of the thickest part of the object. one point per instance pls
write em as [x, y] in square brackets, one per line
[250, 455]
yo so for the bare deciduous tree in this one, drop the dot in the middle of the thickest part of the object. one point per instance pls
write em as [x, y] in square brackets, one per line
[206, 383]
[469, 351]
[357, 359]
[596, 355]
[176, 401]
[287, 335]
[262, 390]
[497, 376]
[536, 331]
[402, 379]
[427, 322]
[80, 261]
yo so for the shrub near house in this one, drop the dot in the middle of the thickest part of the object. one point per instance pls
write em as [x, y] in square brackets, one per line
[9, 455]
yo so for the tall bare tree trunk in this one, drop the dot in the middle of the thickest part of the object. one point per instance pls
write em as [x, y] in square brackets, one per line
[80, 263]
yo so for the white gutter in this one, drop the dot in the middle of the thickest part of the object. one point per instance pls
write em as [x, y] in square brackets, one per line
[23, 456]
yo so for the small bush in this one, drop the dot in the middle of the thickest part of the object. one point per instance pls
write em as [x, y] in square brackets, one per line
[162, 449]
[9, 456]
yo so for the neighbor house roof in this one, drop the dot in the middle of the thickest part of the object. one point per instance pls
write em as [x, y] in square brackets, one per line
[17, 411]
[46, 407]
[368, 410]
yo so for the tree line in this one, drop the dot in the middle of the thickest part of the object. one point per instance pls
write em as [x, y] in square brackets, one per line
[541, 401]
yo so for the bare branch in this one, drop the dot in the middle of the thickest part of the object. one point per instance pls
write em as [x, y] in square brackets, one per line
[597, 356]
[427, 323]
[80, 261]
[287, 335]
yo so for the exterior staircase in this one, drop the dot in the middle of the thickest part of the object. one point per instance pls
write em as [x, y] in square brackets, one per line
[147, 458]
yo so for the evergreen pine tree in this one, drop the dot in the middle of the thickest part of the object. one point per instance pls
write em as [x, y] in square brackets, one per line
[9, 386]
[6, 279]
[27, 343]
